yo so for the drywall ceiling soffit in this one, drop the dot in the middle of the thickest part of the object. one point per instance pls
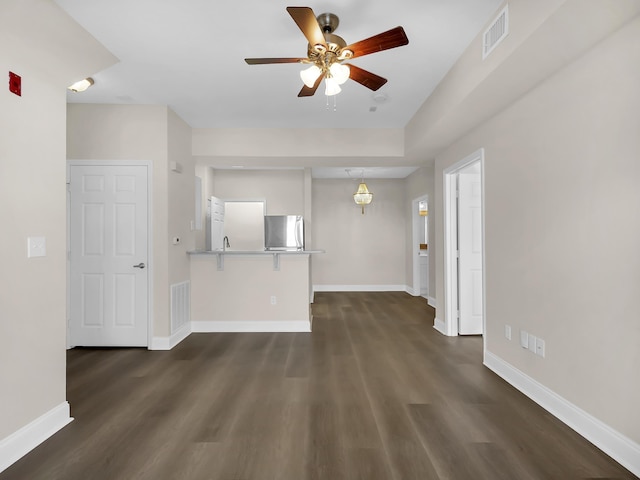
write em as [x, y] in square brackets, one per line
[41, 33]
[553, 45]
[349, 173]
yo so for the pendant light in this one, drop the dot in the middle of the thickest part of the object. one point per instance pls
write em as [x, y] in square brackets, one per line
[362, 196]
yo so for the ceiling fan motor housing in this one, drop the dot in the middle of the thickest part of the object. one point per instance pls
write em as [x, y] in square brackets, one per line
[328, 22]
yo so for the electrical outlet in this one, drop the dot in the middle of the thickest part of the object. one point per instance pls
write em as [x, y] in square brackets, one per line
[274, 300]
[507, 332]
[540, 347]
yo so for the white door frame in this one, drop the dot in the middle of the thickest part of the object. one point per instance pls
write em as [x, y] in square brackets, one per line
[450, 243]
[415, 255]
[116, 163]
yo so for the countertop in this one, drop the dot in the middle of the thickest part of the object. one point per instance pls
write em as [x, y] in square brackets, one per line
[253, 252]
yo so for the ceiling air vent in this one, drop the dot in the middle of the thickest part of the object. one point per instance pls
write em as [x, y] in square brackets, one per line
[496, 32]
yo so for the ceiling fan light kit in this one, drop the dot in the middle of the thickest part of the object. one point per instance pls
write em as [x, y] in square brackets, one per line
[326, 52]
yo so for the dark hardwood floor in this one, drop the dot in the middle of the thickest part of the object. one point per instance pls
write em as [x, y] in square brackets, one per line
[373, 393]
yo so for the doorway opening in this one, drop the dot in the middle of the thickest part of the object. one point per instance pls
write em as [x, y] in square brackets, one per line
[420, 247]
[464, 255]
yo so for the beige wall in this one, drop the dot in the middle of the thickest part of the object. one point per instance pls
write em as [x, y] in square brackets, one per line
[419, 184]
[283, 190]
[561, 203]
[157, 135]
[298, 143]
[361, 250]
[181, 200]
[32, 194]
[32, 291]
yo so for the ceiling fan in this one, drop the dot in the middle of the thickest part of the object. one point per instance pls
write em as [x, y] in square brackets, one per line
[326, 53]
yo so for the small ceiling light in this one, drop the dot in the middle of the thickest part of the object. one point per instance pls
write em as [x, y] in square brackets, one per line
[82, 85]
[363, 197]
[310, 75]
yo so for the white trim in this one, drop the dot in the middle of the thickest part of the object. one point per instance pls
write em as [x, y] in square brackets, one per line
[360, 288]
[167, 343]
[247, 326]
[440, 326]
[411, 291]
[619, 447]
[21, 442]
[450, 234]
[431, 302]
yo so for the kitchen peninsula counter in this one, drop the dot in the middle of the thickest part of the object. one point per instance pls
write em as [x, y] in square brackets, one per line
[251, 291]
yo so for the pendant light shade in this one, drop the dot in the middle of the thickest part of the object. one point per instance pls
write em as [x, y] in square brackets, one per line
[340, 72]
[310, 75]
[363, 196]
[332, 87]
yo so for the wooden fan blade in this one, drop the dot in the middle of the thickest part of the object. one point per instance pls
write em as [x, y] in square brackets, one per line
[264, 61]
[383, 41]
[308, 92]
[363, 77]
[306, 20]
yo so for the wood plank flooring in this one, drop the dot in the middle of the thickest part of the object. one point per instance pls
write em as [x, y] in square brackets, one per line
[374, 393]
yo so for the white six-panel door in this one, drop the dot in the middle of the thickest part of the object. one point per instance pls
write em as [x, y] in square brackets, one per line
[470, 261]
[108, 255]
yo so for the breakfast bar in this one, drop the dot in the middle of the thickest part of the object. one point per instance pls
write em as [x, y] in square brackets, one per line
[251, 291]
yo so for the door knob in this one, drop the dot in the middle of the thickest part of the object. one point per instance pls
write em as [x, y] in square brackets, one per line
[140, 265]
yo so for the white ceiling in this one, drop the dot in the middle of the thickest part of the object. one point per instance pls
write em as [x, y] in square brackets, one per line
[189, 55]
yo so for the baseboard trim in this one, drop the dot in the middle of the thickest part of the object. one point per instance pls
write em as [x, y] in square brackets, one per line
[167, 343]
[231, 326]
[613, 443]
[19, 443]
[431, 302]
[360, 288]
[440, 326]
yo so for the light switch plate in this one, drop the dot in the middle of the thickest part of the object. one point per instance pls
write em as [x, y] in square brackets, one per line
[532, 343]
[36, 247]
[524, 339]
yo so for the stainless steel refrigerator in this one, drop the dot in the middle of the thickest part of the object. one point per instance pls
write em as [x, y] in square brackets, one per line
[284, 232]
